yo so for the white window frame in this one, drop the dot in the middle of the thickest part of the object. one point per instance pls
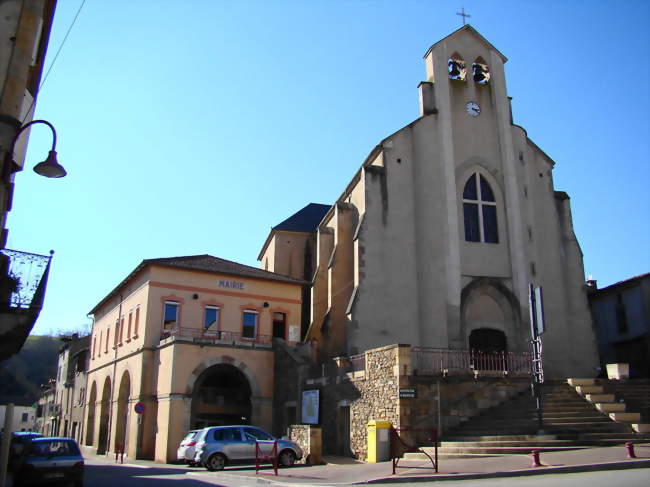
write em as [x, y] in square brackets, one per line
[178, 315]
[257, 322]
[216, 324]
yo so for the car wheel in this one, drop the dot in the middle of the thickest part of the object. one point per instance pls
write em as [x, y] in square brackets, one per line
[216, 462]
[287, 458]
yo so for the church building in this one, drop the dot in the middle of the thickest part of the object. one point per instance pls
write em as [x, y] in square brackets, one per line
[438, 235]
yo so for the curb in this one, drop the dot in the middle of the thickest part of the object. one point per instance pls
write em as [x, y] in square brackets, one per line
[546, 470]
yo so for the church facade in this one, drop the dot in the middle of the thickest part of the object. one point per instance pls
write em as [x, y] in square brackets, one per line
[435, 240]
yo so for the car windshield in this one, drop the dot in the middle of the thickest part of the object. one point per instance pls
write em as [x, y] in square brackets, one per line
[190, 435]
[53, 449]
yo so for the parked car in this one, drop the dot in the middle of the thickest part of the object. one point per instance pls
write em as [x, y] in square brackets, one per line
[47, 461]
[18, 441]
[219, 446]
[186, 450]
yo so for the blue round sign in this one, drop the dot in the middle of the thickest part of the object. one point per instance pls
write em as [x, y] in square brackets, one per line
[139, 407]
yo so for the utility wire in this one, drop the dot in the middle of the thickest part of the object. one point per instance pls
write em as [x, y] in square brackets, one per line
[47, 73]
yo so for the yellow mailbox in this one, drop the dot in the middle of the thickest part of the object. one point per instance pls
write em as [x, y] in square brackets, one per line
[378, 441]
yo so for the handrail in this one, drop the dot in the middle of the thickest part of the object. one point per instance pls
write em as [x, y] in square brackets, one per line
[444, 362]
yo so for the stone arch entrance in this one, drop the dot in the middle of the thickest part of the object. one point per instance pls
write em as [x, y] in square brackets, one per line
[221, 395]
[487, 340]
[490, 317]
[104, 415]
[90, 423]
[123, 413]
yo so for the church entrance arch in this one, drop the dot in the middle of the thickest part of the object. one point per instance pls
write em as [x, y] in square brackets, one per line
[221, 396]
[102, 440]
[487, 340]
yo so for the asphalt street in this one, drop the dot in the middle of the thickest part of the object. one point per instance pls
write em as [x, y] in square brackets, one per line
[103, 473]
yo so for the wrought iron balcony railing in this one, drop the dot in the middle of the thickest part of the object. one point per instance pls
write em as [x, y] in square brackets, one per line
[215, 337]
[23, 277]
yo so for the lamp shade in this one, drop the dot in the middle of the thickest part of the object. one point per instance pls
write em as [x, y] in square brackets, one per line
[50, 168]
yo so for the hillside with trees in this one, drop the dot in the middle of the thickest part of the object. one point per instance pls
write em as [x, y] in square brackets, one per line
[22, 375]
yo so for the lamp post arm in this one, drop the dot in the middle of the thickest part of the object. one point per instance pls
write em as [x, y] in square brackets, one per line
[28, 124]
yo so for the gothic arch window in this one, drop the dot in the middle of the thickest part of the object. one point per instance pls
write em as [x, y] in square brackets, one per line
[457, 68]
[480, 72]
[480, 210]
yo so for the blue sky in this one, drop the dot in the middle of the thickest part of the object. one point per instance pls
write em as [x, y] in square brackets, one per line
[193, 127]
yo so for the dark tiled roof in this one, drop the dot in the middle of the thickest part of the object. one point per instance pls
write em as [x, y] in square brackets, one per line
[208, 263]
[305, 220]
[202, 263]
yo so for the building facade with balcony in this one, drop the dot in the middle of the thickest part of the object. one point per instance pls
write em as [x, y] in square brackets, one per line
[189, 341]
[25, 27]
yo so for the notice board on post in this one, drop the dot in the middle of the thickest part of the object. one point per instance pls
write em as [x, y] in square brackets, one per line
[311, 406]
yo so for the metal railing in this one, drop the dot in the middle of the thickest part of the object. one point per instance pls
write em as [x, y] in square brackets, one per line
[435, 361]
[214, 337]
[22, 278]
[358, 362]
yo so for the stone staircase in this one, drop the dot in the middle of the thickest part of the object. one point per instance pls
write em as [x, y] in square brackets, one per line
[570, 421]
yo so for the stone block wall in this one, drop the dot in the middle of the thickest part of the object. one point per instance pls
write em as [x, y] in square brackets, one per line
[378, 396]
[309, 438]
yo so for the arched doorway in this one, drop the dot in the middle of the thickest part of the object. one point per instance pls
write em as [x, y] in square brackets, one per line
[123, 413]
[221, 396]
[90, 423]
[104, 415]
[487, 340]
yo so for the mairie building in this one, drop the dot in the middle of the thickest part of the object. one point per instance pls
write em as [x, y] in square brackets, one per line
[187, 342]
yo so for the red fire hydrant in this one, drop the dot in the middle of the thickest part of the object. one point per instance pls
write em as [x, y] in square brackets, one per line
[536, 462]
[630, 449]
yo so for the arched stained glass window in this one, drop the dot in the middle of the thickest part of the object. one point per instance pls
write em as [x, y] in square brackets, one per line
[479, 211]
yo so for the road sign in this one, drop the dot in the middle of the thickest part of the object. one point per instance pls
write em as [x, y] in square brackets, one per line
[139, 407]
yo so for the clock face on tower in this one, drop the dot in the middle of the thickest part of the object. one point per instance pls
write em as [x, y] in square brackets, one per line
[473, 109]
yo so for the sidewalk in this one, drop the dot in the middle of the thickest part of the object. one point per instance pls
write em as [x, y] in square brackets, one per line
[346, 471]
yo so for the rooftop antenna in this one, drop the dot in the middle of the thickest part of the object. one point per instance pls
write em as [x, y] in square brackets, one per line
[463, 14]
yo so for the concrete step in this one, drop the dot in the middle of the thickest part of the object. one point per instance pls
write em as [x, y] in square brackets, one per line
[582, 390]
[610, 407]
[600, 397]
[626, 417]
[581, 382]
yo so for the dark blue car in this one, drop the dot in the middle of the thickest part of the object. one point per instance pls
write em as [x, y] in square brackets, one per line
[49, 461]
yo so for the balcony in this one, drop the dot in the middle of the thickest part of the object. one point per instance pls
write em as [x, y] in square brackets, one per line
[223, 338]
[23, 278]
[54, 410]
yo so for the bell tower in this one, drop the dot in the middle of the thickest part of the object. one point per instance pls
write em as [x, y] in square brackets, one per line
[466, 91]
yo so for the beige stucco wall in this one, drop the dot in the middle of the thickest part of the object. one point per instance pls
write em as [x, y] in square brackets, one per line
[161, 369]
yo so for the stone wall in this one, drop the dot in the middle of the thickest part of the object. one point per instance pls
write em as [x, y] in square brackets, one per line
[309, 438]
[373, 394]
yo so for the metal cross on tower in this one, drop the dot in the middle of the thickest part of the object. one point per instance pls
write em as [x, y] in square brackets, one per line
[463, 14]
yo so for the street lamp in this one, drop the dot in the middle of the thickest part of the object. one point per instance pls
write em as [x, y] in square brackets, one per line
[50, 168]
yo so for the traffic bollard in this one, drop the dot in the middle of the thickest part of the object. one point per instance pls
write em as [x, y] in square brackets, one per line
[536, 462]
[630, 449]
